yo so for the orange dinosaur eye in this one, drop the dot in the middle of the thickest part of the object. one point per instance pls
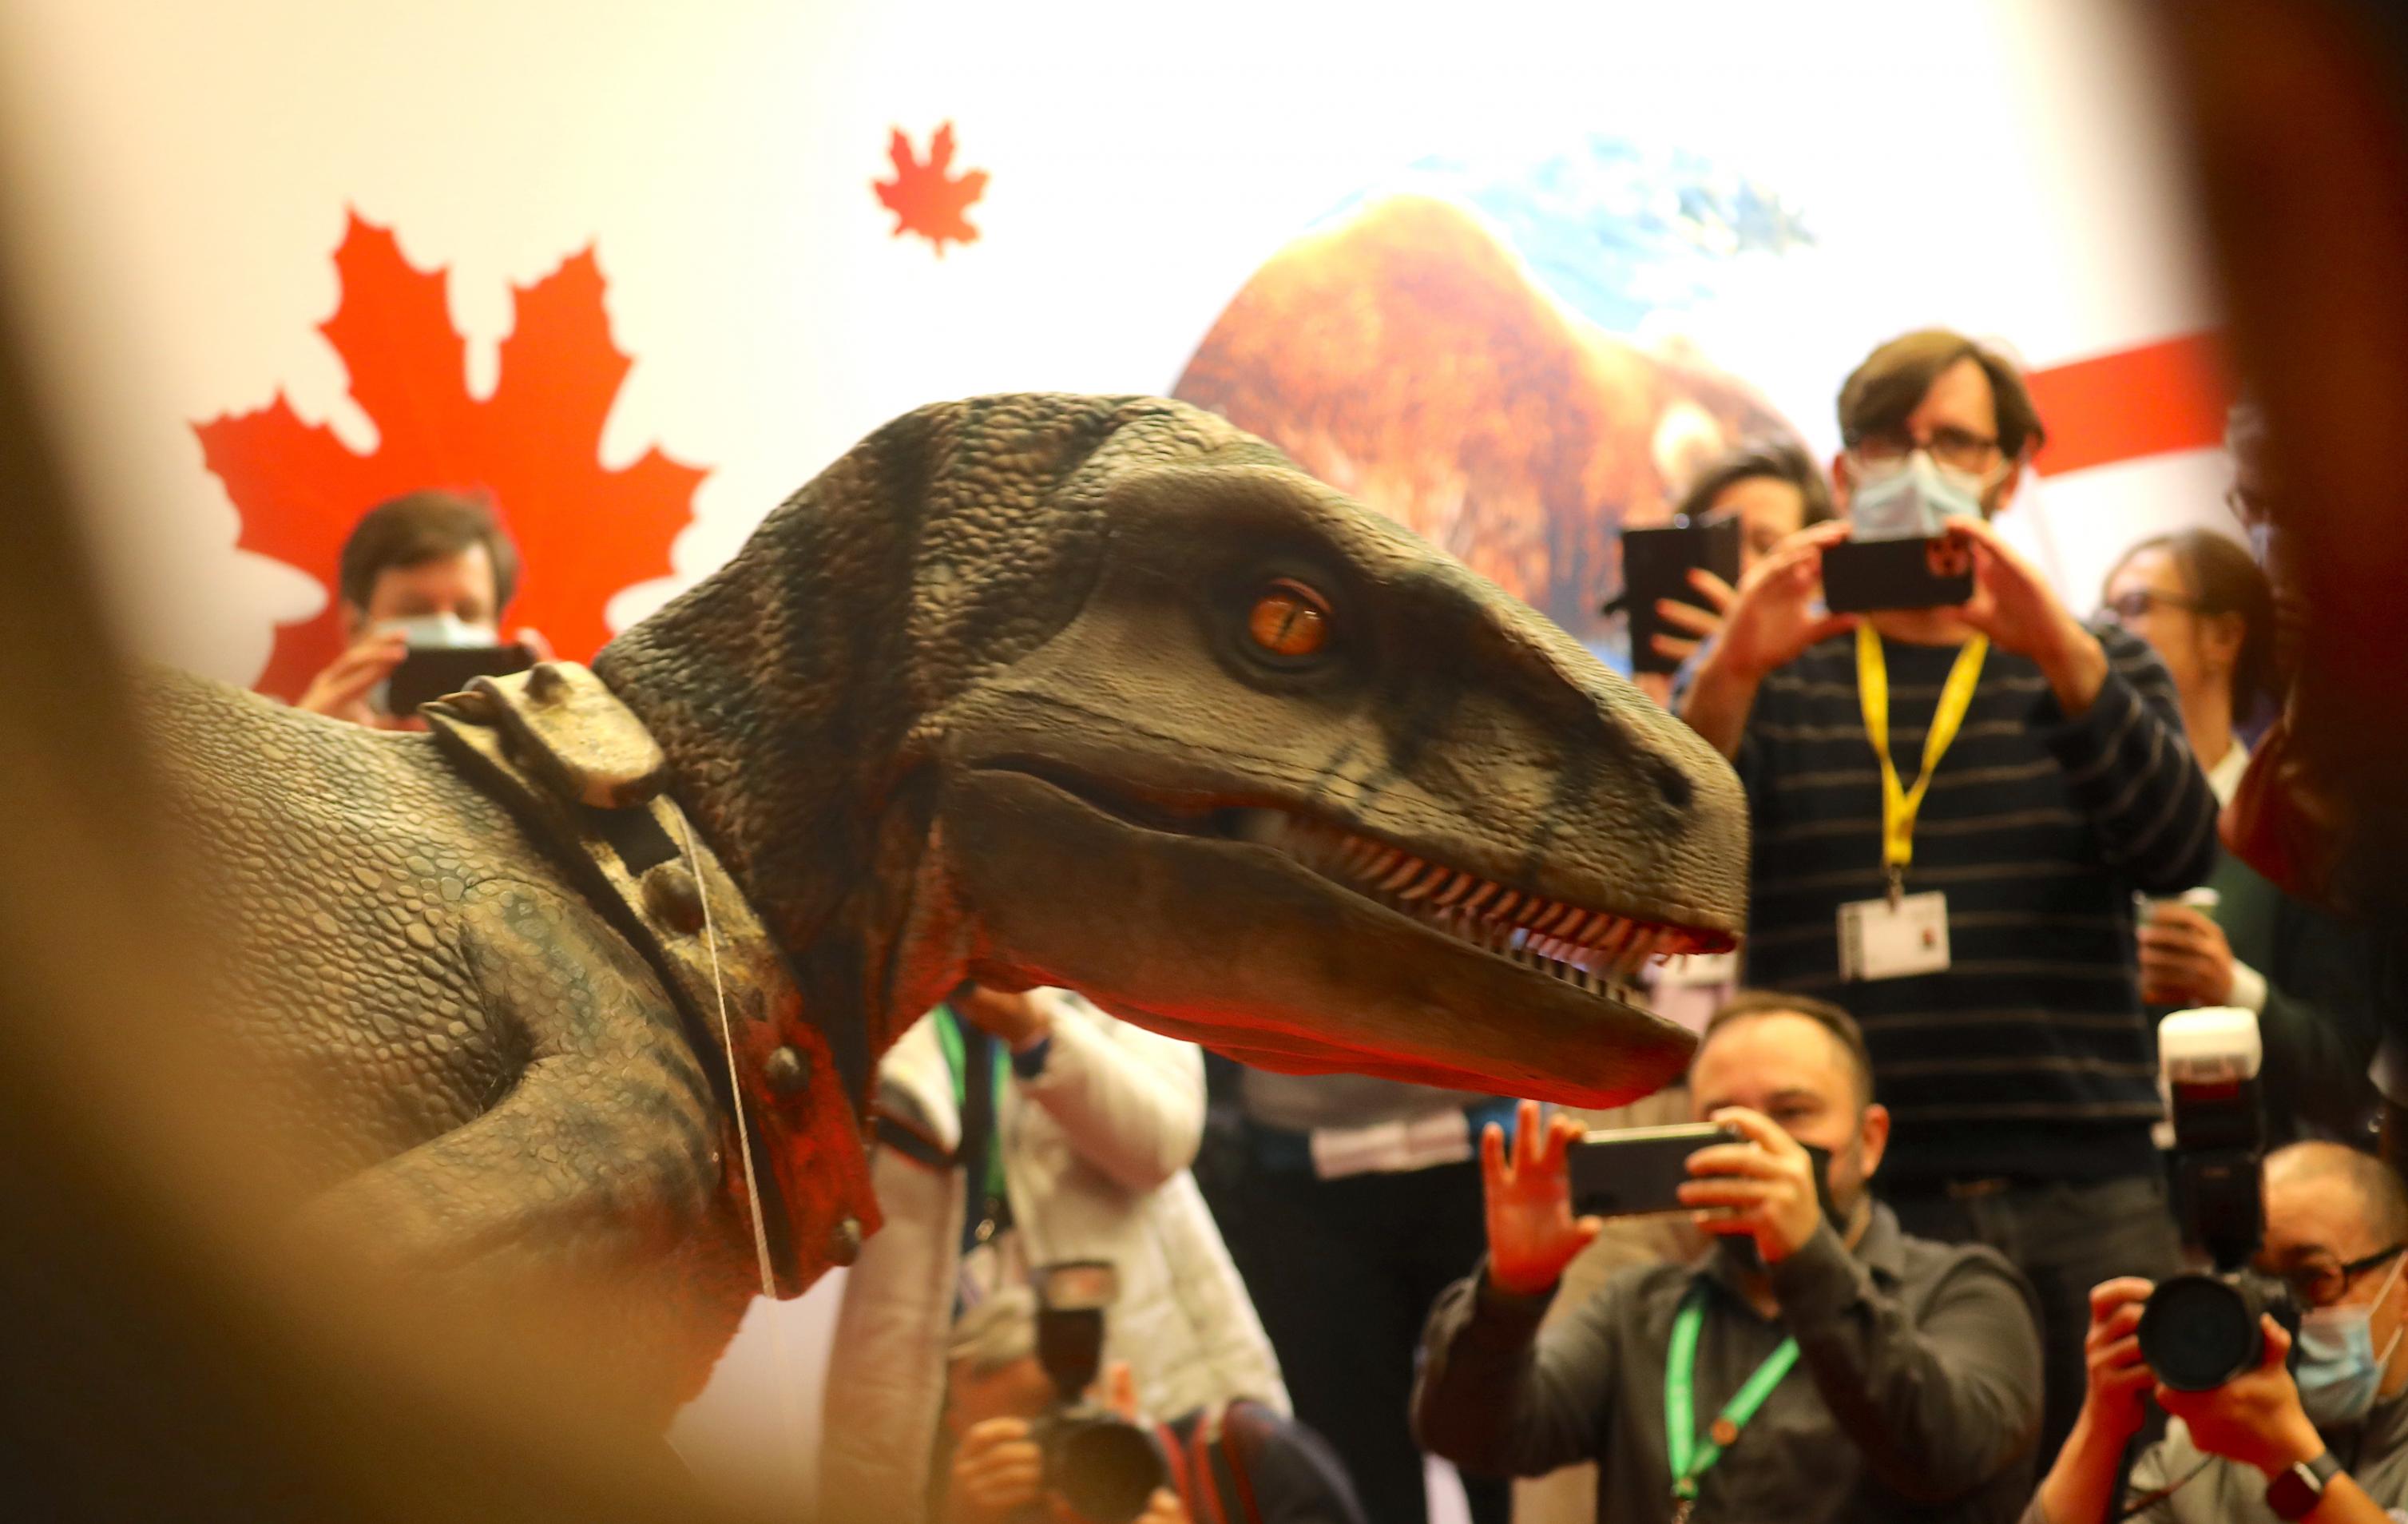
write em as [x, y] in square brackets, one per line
[1289, 620]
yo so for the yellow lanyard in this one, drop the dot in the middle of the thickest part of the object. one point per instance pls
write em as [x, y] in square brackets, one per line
[1900, 806]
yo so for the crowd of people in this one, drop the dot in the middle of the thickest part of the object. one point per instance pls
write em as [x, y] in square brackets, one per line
[1909, 1280]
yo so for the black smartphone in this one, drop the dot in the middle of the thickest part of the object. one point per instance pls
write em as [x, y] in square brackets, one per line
[1862, 575]
[1636, 1171]
[429, 672]
[1655, 564]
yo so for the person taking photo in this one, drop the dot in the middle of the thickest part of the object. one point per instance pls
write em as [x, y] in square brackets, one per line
[2322, 1436]
[1818, 1364]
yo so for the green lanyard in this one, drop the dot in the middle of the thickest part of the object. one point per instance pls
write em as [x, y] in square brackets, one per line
[1690, 1459]
[949, 1037]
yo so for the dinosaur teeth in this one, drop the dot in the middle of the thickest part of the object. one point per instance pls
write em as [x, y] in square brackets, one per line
[1595, 950]
[1608, 943]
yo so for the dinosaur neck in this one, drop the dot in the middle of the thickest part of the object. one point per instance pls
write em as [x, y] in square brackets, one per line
[798, 691]
[775, 688]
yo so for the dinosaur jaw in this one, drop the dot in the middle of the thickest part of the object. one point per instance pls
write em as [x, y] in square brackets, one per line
[1296, 943]
[1599, 951]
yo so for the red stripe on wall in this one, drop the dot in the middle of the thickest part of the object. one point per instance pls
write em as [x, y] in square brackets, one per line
[2146, 401]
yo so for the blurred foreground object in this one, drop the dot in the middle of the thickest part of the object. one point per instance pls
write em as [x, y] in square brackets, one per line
[2299, 113]
[175, 1356]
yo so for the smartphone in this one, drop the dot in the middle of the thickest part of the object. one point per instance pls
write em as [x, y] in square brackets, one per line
[444, 652]
[1637, 1171]
[429, 672]
[1862, 575]
[1655, 564]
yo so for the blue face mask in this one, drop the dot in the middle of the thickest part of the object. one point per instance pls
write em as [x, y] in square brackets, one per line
[1913, 500]
[2339, 1373]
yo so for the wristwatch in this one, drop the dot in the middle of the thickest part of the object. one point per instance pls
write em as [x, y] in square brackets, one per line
[2295, 1493]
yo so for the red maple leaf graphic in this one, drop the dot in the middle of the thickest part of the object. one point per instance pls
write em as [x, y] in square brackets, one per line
[926, 198]
[533, 446]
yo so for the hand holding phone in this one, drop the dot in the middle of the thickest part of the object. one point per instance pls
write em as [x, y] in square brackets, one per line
[1766, 1186]
[1664, 599]
[1773, 620]
[2185, 959]
[341, 689]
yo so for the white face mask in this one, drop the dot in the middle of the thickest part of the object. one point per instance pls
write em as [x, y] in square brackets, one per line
[1912, 499]
[1969, 484]
[441, 632]
[2339, 1373]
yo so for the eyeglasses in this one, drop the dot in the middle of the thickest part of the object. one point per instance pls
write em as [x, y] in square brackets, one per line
[2123, 608]
[2320, 1278]
[1966, 450]
[2249, 506]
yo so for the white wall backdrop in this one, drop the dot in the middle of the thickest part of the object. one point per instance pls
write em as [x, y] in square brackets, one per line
[184, 174]
[180, 175]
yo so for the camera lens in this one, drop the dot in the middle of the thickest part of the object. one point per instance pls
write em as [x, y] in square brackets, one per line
[1106, 1470]
[2198, 1332]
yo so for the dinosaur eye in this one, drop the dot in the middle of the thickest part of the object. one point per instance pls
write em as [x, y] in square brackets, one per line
[1289, 619]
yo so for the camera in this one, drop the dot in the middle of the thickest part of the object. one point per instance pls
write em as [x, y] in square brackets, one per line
[1103, 1466]
[2200, 1329]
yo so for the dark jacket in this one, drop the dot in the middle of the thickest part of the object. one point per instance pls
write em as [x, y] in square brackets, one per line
[2320, 1024]
[1916, 1394]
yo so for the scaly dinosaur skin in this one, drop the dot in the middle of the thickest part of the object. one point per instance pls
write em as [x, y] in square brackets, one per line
[979, 701]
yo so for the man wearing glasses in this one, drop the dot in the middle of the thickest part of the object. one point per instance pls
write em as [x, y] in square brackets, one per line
[2322, 1435]
[1953, 808]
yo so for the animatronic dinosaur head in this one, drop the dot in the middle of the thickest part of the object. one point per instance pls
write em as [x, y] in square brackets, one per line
[1104, 693]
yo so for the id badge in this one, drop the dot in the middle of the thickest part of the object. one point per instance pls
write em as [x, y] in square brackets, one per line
[1881, 941]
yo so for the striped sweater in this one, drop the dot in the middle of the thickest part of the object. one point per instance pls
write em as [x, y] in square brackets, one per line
[2029, 1056]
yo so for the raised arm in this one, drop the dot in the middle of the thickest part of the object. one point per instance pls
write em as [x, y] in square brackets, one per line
[1767, 625]
[1131, 1102]
[1493, 1396]
[2129, 770]
[1496, 1397]
[2109, 717]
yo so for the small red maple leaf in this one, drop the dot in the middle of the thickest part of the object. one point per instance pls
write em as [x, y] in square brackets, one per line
[533, 446]
[925, 196]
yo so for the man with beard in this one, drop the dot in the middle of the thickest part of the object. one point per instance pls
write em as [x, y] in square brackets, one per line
[1816, 1364]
